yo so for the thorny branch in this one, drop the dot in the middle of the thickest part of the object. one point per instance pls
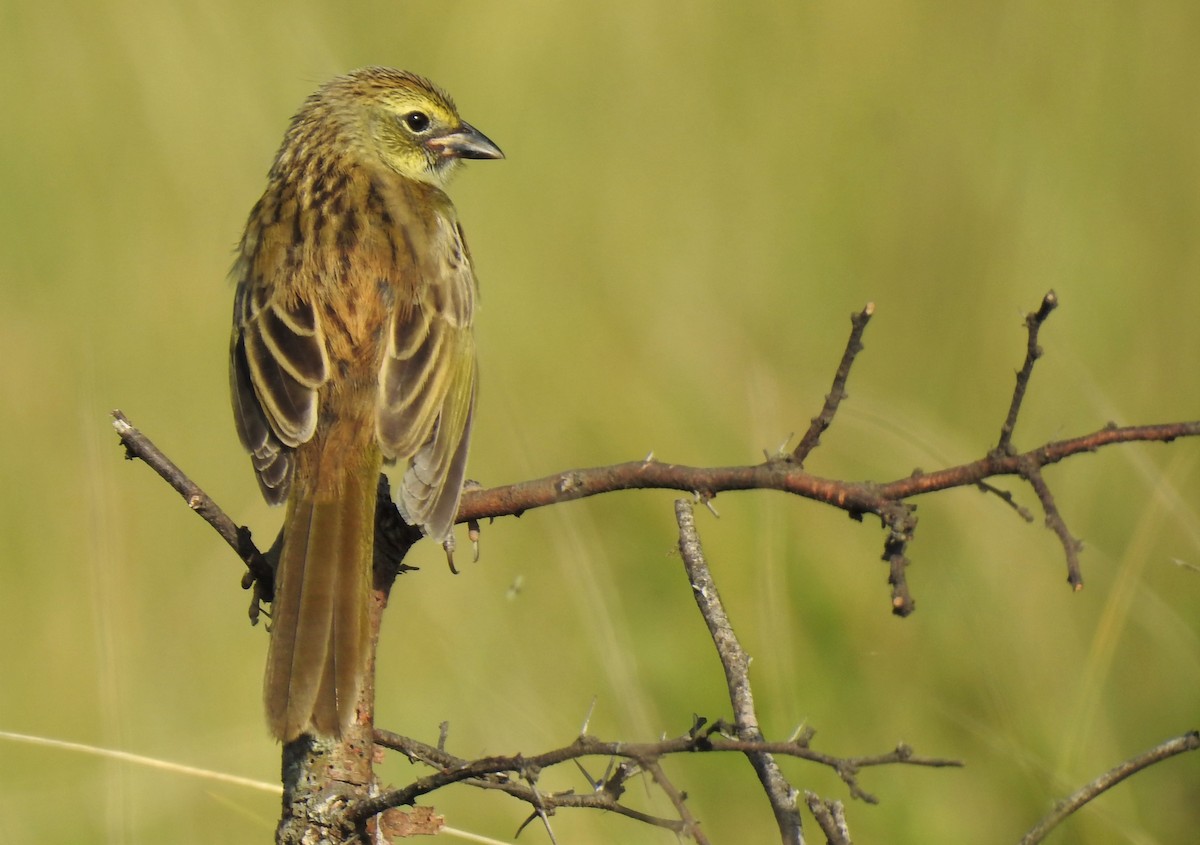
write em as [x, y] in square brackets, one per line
[717, 737]
[889, 501]
[517, 777]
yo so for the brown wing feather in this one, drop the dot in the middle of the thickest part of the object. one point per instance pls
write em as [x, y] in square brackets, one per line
[272, 461]
[427, 382]
[278, 360]
[433, 483]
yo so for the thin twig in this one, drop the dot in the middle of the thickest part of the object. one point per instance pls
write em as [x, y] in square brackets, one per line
[678, 800]
[1178, 745]
[822, 421]
[1006, 496]
[138, 445]
[1054, 521]
[900, 518]
[692, 742]
[831, 817]
[736, 663]
[493, 772]
[497, 776]
[1033, 323]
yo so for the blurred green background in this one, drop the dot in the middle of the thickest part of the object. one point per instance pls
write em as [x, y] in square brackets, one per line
[693, 203]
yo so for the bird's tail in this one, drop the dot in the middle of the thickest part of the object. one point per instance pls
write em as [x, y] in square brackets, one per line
[316, 661]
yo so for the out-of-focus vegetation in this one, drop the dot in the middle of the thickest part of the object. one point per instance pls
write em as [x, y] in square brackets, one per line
[694, 202]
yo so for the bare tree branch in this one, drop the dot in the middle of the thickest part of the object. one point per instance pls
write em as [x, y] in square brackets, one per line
[1055, 522]
[781, 794]
[831, 817]
[886, 500]
[837, 392]
[678, 800]
[855, 497]
[1033, 324]
[138, 445]
[1006, 497]
[1178, 745]
[496, 772]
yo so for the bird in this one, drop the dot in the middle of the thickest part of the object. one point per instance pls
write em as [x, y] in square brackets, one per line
[352, 346]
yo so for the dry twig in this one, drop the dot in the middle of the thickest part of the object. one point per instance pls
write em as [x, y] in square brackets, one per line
[736, 663]
[1178, 745]
[837, 392]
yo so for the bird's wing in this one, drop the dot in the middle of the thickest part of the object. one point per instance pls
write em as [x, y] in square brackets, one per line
[277, 362]
[427, 381]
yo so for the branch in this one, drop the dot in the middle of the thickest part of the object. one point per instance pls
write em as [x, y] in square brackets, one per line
[1188, 742]
[855, 497]
[887, 500]
[1033, 324]
[678, 801]
[494, 772]
[138, 445]
[781, 794]
[1055, 522]
[831, 816]
[837, 392]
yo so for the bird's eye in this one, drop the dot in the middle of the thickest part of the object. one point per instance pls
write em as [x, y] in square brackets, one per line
[417, 121]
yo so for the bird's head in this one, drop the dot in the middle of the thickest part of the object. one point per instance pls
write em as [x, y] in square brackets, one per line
[409, 123]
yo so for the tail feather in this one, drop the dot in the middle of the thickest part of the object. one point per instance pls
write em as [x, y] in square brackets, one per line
[317, 656]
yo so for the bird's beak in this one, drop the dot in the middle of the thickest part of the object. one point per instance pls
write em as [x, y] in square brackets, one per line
[465, 142]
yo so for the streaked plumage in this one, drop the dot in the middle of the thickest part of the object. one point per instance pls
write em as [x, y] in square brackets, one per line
[352, 344]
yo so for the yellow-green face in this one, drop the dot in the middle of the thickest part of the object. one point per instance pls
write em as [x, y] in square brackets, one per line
[414, 126]
[406, 119]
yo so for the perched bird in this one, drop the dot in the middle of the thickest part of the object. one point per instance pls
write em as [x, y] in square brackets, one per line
[352, 345]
